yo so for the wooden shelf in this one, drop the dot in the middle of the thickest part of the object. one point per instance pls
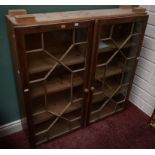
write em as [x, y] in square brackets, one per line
[58, 105]
[113, 69]
[108, 90]
[59, 128]
[96, 106]
[40, 61]
[57, 85]
[57, 108]
[106, 46]
[107, 110]
[127, 45]
[98, 97]
[111, 87]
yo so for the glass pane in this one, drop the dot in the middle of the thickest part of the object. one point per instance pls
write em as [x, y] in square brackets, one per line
[128, 70]
[120, 106]
[121, 31]
[39, 63]
[106, 31]
[107, 108]
[130, 48]
[117, 52]
[138, 27]
[120, 96]
[56, 72]
[34, 38]
[81, 35]
[58, 42]
[78, 84]
[104, 57]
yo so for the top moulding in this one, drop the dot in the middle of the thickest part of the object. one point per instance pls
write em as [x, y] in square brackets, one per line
[20, 17]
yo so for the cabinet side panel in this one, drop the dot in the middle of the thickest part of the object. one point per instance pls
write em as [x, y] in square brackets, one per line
[20, 48]
[15, 40]
[12, 42]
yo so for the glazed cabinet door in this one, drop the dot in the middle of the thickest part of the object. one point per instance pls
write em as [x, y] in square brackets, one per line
[56, 63]
[118, 44]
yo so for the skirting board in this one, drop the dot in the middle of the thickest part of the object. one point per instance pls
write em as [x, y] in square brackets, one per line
[10, 128]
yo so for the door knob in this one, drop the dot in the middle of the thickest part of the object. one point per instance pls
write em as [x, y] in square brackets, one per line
[86, 90]
[92, 89]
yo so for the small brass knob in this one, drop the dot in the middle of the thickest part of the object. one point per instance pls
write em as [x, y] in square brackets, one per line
[92, 89]
[86, 90]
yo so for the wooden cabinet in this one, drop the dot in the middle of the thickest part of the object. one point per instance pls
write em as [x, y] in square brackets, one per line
[73, 68]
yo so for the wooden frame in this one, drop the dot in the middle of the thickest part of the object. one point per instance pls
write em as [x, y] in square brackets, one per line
[18, 31]
[152, 120]
[97, 29]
